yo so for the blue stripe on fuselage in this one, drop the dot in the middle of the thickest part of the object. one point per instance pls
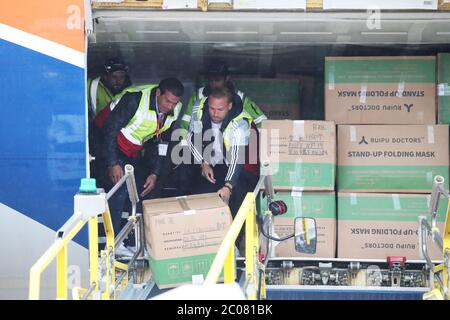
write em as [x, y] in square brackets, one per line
[42, 132]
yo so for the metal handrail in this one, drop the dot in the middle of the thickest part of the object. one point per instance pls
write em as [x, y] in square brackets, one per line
[440, 272]
[225, 258]
[71, 228]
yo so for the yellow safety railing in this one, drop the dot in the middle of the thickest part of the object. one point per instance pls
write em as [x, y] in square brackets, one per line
[440, 279]
[225, 259]
[102, 267]
[59, 251]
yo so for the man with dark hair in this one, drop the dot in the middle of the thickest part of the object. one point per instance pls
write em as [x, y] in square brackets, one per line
[222, 120]
[218, 76]
[102, 90]
[134, 124]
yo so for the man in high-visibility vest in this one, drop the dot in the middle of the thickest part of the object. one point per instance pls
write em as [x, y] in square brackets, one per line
[100, 92]
[218, 76]
[221, 162]
[105, 88]
[137, 122]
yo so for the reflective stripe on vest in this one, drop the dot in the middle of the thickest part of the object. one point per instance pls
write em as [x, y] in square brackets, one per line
[93, 94]
[142, 127]
[226, 132]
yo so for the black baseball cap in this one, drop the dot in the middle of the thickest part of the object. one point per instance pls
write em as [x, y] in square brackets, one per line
[115, 64]
[217, 68]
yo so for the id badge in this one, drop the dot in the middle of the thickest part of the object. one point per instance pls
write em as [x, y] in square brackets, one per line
[162, 149]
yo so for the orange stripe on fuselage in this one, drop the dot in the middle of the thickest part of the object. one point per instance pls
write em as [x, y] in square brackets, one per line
[60, 21]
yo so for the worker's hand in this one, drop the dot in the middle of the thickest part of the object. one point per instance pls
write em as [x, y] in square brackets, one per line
[225, 194]
[208, 172]
[149, 185]
[115, 173]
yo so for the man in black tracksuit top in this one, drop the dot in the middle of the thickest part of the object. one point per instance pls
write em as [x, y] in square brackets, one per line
[218, 135]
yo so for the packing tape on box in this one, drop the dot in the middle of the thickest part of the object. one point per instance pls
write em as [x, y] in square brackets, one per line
[331, 77]
[443, 90]
[296, 176]
[352, 134]
[396, 202]
[353, 199]
[298, 130]
[297, 191]
[430, 134]
[183, 203]
[197, 279]
[363, 97]
[420, 117]
[401, 88]
[430, 177]
[298, 209]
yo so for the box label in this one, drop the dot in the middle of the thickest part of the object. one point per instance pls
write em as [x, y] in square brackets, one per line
[387, 178]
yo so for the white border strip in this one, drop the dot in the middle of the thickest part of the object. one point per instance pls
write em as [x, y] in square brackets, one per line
[42, 45]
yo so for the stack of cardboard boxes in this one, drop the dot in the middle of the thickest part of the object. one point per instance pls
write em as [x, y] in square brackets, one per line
[389, 151]
[302, 156]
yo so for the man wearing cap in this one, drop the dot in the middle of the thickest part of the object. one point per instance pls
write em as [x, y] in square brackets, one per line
[218, 76]
[103, 89]
[134, 133]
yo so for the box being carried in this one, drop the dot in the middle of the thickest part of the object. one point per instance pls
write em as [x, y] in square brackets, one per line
[183, 235]
[375, 225]
[380, 90]
[392, 158]
[318, 205]
[302, 154]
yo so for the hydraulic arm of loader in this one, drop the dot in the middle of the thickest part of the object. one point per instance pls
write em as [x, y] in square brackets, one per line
[439, 278]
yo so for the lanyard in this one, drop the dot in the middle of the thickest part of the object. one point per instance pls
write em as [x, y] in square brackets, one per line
[158, 126]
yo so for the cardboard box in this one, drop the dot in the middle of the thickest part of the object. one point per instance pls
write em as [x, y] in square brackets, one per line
[285, 104]
[269, 4]
[374, 225]
[380, 4]
[183, 235]
[380, 90]
[128, 3]
[444, 5]
[443, 88]
[179, 4]
[320, 206]
[392, 158]
[314, 4]
[302, 154]
[220, 4]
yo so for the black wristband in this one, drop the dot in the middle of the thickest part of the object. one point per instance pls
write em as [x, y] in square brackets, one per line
[229, 188]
